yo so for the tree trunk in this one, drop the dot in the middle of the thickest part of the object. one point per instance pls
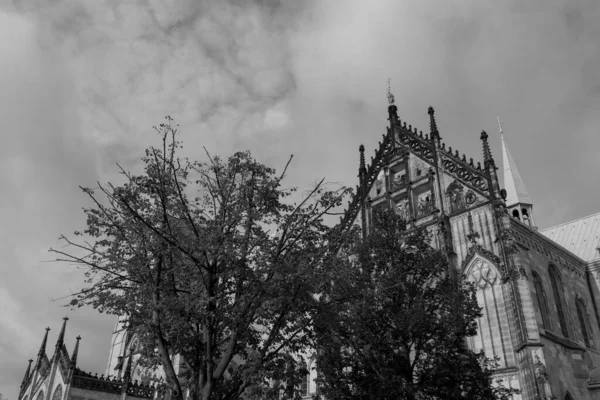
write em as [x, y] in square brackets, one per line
[163, 351]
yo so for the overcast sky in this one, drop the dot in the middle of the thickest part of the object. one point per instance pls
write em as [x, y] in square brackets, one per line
[82, 82]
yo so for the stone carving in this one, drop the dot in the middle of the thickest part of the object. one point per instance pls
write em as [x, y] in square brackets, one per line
[539, 368]
[466, 173]
[379, 185]
[541, 375]
[483, 274]
[457, 200]
[424, 204]
[415, 144]
[403, 209]
[140, 390]
[470, 198]
[58, 393]
[88, 381]
[399, 179]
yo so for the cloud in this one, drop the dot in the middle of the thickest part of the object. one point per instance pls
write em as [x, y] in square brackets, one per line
[84, 81]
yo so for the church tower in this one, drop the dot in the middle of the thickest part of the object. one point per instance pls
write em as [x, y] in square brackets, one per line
[518, 202]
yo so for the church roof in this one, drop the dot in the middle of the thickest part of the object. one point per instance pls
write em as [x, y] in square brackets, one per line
[581, 237]
[516, 192]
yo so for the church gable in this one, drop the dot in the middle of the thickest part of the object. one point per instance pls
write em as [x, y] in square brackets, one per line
[422, 146]
[403, 174]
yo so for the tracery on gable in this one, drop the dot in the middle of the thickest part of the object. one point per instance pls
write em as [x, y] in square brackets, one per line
[58, 393]
[483, 274]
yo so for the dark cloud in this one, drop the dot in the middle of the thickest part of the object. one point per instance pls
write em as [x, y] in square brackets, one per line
[84, 82]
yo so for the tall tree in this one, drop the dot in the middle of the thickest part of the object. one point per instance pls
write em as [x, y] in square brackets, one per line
[393, 323]
[209, 260]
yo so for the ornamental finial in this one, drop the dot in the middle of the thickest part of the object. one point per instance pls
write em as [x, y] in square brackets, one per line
[361, 150]
[487, 153]
[473, 235]
[390, 96]
[75, 352]
[433, 129]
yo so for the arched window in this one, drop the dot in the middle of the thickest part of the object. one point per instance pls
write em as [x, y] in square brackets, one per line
[493, 335]
[568, 396]
[583, 322]
[58, 392]
[542, 302]
[40, 395]
[557, 291]
[516, 214]
[526, 216]
[304, 390]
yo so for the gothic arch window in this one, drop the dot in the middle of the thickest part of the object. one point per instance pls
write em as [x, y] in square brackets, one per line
[557, 291]
[583, 322]
[568, 396]
[58, 392]
[305, 387]
[492, 327]
[542, 301]
[526, 218]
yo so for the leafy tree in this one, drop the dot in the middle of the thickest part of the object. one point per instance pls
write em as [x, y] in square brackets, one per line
[209, 260]
[393, 323]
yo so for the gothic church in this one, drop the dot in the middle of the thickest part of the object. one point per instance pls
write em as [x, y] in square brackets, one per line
[539, 290]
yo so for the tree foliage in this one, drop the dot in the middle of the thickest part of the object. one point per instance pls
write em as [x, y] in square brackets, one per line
[210, 260]
[393, 323]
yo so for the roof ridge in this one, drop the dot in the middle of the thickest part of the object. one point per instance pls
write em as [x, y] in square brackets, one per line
[570, 222]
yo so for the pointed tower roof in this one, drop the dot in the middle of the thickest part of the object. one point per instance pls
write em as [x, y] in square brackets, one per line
[27, 374]
[75, 353]
[516, 192]
[42, 350]
[61, 336]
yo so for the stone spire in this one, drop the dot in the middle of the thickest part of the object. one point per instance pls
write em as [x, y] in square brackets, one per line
[433, 130]
[516, 192]
[490, 166]
[518, 202]
[362, 168]
[75, 353]
[43, 346]
[362, 190]
[61, 336]
[487, 153]
[27, 373]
